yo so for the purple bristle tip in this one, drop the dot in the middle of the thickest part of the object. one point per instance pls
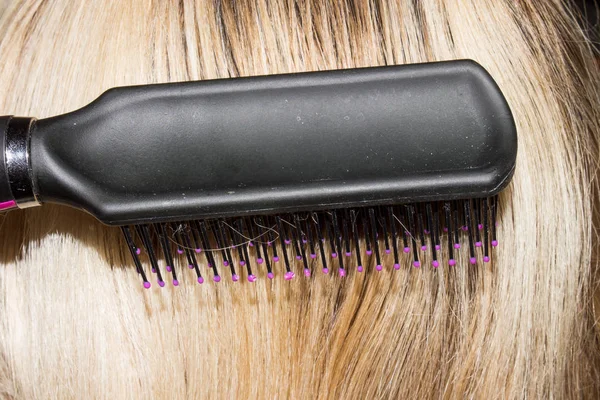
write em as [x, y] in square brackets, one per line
[217, 278]
[169, 269]
[251, 278]
[161, 283]
[250, 244]
[313, 256]
[198, 250]
[473, 260]
[200, 280]
[138, 251]
[457, 245]
[298, 257]
[425, 231]
[307, 272]
[235, 278]
[275, 258]
[445, 229]
[369, 252]
[260, 260]
[147, 285]
[494, 243]
[270, 275]
[348, 253]
[480, 226]
[325, 270]
[396, 267]
[416, 264]
[379, 267]
[179, 251]
[407, 249]
[424, 248]
[486, 259]
[387, 251]
[477, 244]
[342, 272]
[153, 270]
[465, 228]
[435, 263]
[175, 282]
[334, 255]
[304, 241]
[289, 276]
[226, 263]
[452, 262]
[242, 263]
[190, 266]
[286, 241]
[437, 247]
[360, 268]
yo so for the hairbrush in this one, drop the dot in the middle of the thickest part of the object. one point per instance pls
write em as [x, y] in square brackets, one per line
[281, 171]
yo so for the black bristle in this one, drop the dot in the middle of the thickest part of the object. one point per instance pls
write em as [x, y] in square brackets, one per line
[404, 228]
[283, 241]
[392, 225]
[264, 244]
[208, 252]
[469, 225]
[353, 219]
[373, 224]
[346, 236]
[330, 235]
[494, 215]
[133, 250]
[216, 232]
[319, 230]
[366, 234]
[244, 246]
[147, 241]
[486, 230]
[384, 226]
[254, 240]
[421, 230]
[301, 245]
[310, 235]
[166, 248]
[456, 227]
[336, 233]
[273, 239]
[296, 238]
[191, 257]
[448, 213]
[477, 226]
[411, 228]
[432, 234]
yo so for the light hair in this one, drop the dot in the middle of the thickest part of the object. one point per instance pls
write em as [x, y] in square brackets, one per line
[75, 323]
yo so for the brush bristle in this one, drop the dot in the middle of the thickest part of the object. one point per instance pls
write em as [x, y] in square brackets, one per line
[408, 235]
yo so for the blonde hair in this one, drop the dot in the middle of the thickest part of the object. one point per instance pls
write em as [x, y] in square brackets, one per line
[76, 324]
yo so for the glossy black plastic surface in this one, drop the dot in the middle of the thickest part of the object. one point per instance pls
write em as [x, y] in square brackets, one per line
[280, 143]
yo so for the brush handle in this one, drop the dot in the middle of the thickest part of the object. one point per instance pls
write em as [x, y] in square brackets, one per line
[273, 143]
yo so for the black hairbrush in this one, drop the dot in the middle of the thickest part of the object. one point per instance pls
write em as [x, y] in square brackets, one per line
[276, 166]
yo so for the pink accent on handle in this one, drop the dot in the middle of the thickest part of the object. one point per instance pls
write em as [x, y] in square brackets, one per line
[5, 205]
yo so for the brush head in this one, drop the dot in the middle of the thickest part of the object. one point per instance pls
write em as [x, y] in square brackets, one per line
[282, 143]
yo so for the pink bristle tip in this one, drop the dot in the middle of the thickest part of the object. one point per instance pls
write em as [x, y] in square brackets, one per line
[326, 270]
[153, 270]
[378, 267]
[304, 241]
[342, 272]
[169, 269]
[217, 278]
[407, 249]
[416, 264]
[270, 275]
[445, 229]
[179, 251]
[452, 262]
[334, 255]
[226, 263]
[424, 248]
[348, 253]
[435, 263]
[396, 267]
[477, 244]
[175, 282]
[425, 231]
[235, 278]
[250, 244]
[198, 250]
[437, 247]
[473, 260]
[251, 278]
[465, 228]
[387, 251]
[200, 280]
[190, 266]
[269, 243]
[276, 259]
[147, 285]
[457, 245]
[486, 259]
[360, 268]
[138, 251]
[242, 263]
[369, 252]
[494, 243]
[307, 272]
[287, 241]
[260, 260]
[298, 258]
[313, 256]
[480, 226]
[289, 276]
[161, 283]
